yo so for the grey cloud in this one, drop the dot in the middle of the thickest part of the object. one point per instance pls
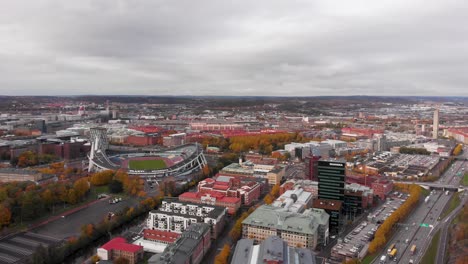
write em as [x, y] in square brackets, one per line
[234, 47]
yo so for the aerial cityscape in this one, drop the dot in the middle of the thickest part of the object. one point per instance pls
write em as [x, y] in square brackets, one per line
[219, 132]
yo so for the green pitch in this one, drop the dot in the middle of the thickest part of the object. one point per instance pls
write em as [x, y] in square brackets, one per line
[146, 164]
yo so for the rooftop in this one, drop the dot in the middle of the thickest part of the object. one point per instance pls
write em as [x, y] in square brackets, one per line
[272, 217]
[119, 243]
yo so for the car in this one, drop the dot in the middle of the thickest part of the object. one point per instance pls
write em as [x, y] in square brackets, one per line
[395, 260]
[62, 216]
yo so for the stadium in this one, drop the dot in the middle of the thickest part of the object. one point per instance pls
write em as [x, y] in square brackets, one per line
[175, 162]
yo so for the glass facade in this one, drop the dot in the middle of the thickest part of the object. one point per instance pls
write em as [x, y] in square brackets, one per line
[331, 180]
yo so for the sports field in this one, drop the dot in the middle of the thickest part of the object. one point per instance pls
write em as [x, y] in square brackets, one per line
[149, 164]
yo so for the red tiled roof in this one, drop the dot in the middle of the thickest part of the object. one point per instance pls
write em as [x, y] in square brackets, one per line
[160, 235]
[209, 180]
[189, 195]
[222, 187]
[119, 243]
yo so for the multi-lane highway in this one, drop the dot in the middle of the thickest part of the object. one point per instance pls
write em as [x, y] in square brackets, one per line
[419, 227]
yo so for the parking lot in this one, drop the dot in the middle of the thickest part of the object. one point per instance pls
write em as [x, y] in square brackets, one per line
[70, 225]
[356, 243]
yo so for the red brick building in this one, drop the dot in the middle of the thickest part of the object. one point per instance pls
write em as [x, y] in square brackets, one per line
[226, 191]
[118, 247]
[214, 198]
[161, 236]
[143, 140]
[382, 188]
[311, 163]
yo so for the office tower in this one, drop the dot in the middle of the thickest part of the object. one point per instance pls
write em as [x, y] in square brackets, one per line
[435, 126]
[331, 178]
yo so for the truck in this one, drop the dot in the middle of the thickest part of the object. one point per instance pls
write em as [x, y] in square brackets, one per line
[413, 249]
[393, 253]
[389, 250]
[383, 259]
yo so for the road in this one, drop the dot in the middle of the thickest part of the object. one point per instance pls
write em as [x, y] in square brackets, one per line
[427, 213]
[444, 226]
[423, 237]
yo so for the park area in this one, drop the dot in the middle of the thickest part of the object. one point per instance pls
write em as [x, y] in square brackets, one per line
[147, 164]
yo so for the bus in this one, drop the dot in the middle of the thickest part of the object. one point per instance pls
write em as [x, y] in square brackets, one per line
[413, 249]
[393, 253]
[389, 250]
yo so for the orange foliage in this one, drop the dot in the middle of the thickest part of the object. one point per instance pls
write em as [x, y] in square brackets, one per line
[222, 257]
[5, 215]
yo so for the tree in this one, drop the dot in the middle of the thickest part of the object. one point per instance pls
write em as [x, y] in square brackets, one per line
[95, 259]
[47, 197]
[206, 171]
[222, 257]
[81, 187]
[102, 178]
[268, 199]
[457, 150]
[72, 197]
[275, 191]
[130, 212]
[5, 215]
[115, 186]
[27, 158]
[89, 230]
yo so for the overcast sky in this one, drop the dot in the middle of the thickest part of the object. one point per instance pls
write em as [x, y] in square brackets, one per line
[217, 47]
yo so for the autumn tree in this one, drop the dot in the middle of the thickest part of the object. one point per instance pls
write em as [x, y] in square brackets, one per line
[130, 212]
[223, 256]
[87, 230]
[81, 187]
[457, 150]
[268, 199]
[95, 259]
[102, 178]
[48, 197]
[206, 171]
[72, 198]
[5, 215]
[27, 158]
[275, 191]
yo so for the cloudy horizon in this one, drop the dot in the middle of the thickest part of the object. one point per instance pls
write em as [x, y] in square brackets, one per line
[241, 48]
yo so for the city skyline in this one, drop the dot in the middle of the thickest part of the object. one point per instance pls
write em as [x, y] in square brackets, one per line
[274, 48]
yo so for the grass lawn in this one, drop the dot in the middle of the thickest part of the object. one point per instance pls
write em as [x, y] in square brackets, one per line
[425, 192]
[453, 203]
[101, 189]
[369, 258]
[146, 164]
[431, 252]
[465, 179]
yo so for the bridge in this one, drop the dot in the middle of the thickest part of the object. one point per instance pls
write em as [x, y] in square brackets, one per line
[437, 186]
